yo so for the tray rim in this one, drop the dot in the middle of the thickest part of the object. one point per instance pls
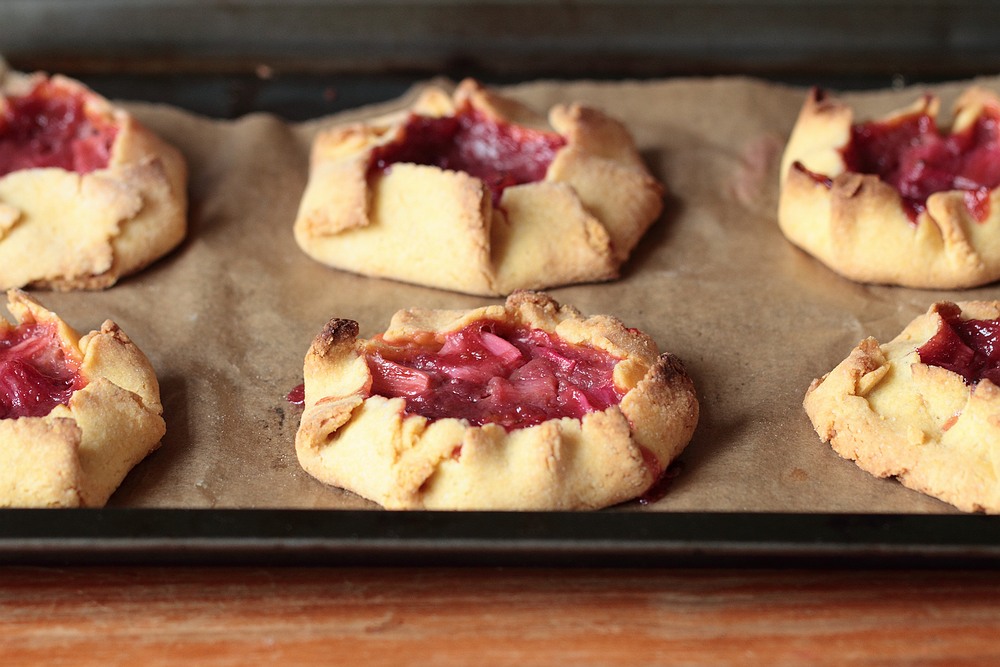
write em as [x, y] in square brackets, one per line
[296, 537]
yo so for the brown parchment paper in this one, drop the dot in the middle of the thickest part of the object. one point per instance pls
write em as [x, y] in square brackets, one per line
[226, 319]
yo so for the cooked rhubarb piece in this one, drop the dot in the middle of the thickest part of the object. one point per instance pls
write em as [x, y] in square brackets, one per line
[970, 347]
[911, 154]
[50, 127]
[490, 373]
[500, 154]
[35, 372]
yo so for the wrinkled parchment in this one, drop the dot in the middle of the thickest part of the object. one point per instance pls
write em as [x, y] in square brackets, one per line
[226, 318]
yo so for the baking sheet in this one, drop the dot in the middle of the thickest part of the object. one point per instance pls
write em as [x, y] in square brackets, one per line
[226, 318]
[565, 539]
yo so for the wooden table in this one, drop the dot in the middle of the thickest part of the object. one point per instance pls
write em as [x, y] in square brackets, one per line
[486, 616]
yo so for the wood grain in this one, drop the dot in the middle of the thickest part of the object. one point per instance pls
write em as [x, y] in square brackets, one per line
[223, 616]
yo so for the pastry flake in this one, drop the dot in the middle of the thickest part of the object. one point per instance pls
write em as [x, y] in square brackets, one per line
[525, 405]
[897, 200]
[76, 413]
[475, 193]
[87, 194]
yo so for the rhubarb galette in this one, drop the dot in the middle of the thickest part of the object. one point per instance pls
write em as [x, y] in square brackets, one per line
[475, 193]
[87, 194]
[76, 414]
[924, 407]
[526, 405]
[895, 200]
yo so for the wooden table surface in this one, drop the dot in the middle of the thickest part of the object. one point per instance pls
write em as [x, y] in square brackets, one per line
[487, 616]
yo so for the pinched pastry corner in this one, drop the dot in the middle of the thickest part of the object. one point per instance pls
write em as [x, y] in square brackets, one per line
[64, 230]
[857, 224]
[896, 416]
[78, 453]
[441, 227]
[353, 438]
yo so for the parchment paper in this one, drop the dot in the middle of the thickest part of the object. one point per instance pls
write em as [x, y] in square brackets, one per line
[227, 318]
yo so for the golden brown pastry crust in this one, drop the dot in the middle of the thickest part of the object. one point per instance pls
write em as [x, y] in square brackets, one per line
[368, 444]
[895, 416]
[857, 225]
[79, 453]
[579, 224]
[63, 230]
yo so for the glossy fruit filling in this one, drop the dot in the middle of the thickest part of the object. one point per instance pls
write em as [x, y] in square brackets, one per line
[498, 153]
[488, 373]
[297, 395]
[49, 127]
[970, 348]
[910, 154]
[35, 374]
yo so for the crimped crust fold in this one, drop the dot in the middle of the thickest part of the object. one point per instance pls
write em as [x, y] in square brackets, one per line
[79, 453]
[436, 227]
[63, 230]
[898, 417]
[368, 444]
[856, 223]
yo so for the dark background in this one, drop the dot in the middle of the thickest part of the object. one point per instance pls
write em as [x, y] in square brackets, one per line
[306, 58]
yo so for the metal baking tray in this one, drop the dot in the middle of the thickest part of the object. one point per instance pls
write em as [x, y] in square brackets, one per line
[220, 60]
[604, 539]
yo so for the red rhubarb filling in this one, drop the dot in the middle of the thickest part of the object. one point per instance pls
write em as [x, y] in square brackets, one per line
[35, 373]
[498, 153]
[970, 348]
[297, 395]
[49, 127]
[489, 373]
[911, 154]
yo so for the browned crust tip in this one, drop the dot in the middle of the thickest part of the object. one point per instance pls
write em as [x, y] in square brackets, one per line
[336, 332]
